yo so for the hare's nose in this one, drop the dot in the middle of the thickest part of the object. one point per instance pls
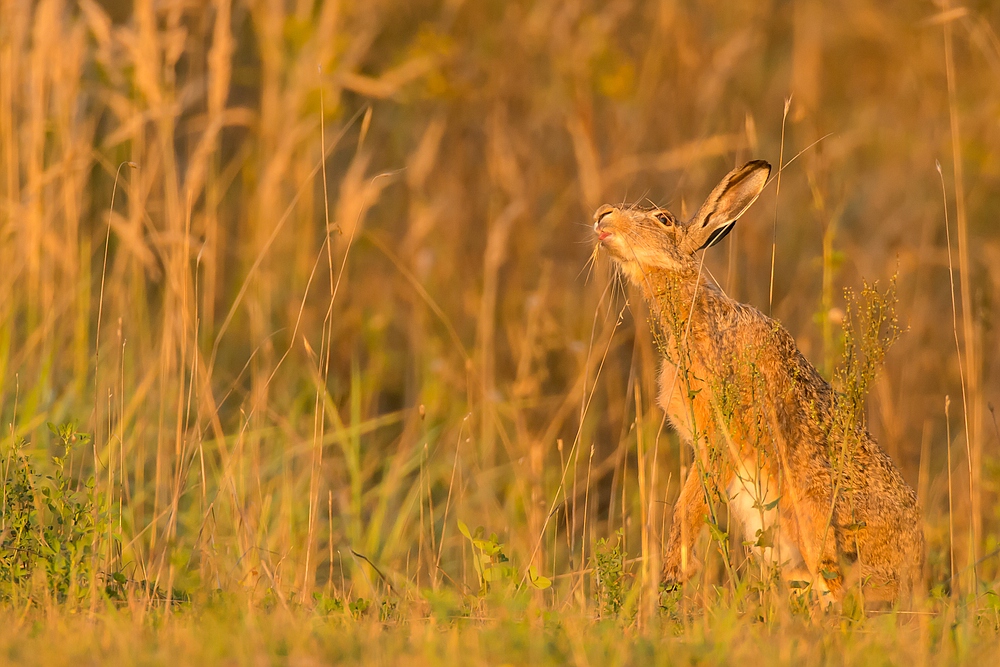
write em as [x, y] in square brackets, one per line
[601, 213]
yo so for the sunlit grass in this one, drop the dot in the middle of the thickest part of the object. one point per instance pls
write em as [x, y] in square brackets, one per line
[347, 304]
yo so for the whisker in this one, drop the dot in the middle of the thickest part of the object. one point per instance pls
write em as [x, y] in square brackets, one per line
[645, 195]
[593, 264]
[591, 261]
[611, 298]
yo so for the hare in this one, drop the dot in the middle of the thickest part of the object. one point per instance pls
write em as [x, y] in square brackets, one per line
[813, 492]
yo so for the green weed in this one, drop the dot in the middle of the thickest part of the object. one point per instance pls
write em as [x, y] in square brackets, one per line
[51, 524]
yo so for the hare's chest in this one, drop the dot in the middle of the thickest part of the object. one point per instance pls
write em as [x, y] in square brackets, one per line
[753, 502]
[683, 396]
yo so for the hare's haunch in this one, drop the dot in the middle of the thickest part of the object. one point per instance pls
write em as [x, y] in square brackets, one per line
[816, 496]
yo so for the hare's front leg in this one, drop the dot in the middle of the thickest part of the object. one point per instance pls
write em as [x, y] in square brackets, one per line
[817, 542]
[689, 516]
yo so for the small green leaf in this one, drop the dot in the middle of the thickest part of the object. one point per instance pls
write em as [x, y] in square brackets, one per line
[718, 534]
[828, 575]
[765, 538]
[462, 528]
[537, 580]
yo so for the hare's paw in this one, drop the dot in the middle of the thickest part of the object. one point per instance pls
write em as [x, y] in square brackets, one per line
[807, 597]
[671, 577]
[829, 580]
[828, 602]
[829, 587]
[674, 575]
[670, 583]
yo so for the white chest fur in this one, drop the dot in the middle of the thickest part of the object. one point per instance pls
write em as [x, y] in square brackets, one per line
[753, 496]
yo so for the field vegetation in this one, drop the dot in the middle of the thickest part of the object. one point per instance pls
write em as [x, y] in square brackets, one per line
[305, 357]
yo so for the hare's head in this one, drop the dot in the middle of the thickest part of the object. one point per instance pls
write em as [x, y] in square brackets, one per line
[643, 239]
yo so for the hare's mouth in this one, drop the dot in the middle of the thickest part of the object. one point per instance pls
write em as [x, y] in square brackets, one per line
[603, 235]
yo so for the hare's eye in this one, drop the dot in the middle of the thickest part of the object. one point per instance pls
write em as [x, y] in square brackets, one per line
[664, 219]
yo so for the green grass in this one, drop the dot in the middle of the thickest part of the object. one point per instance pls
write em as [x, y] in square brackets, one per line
[519, 631]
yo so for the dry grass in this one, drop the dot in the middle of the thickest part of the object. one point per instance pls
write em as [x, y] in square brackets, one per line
[346, 296]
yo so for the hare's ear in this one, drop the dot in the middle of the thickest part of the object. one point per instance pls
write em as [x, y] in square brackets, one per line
[728, 201]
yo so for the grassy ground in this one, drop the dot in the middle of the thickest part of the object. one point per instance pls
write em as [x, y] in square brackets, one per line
[302, 289]
[519, 632]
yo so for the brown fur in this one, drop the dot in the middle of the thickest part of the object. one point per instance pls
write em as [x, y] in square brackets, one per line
[762, 421]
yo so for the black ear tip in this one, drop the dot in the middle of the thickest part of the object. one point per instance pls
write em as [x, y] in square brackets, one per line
[758, 164]
[717, 235]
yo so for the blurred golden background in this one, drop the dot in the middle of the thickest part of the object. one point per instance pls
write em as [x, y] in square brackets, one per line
[288, 357]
